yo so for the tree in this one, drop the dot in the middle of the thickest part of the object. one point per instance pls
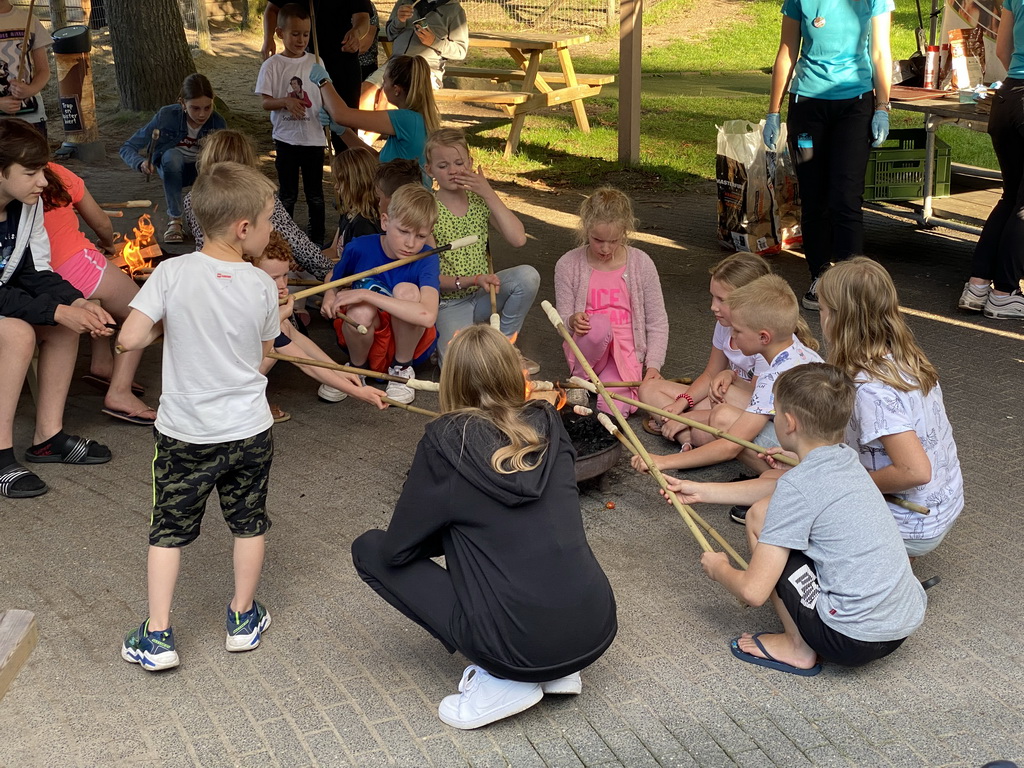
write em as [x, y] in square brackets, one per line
[151, 54]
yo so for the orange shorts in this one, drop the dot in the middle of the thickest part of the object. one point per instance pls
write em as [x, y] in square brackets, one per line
[382, 351]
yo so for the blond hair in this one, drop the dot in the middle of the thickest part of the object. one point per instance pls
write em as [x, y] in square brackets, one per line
[445, 137]
[482, 377]
[738, 269]
[413, 206]
[226, 193]
[226, 146]
[866, 332]
[354, 171]
[412, 75]
[769, 303]
[820, 396]
[607, 205]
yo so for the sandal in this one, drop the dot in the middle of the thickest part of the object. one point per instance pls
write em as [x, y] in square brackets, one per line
[68, 449]
[16, 482]
[278, 414]
[174, 232]
[649, 426]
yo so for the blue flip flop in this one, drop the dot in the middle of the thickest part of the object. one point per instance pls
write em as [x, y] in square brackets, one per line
[769, 661]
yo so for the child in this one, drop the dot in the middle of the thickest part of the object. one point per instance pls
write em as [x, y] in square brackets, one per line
[392, 175]
[609, 296]
[436, 32]
[276, 261]
[492, 489]
[219, 316]
[295, 115]
[899, 425]
[235, 147]
[824, 547]
[36, 307]
[173, 153]
[354, 173]
[764, 315]
[19, 91]
[466, 205]
[407, 87]
[75, 259]
[398, 307]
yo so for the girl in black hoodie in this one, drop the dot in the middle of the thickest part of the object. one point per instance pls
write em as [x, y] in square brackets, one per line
[493, 489]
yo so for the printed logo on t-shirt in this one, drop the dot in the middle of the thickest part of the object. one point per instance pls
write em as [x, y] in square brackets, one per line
[224, 276]
[806, 583]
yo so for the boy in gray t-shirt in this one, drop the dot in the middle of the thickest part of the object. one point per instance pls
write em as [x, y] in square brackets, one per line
[824, 546]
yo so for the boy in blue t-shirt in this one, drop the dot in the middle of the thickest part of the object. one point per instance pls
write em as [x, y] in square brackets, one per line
[398, 307]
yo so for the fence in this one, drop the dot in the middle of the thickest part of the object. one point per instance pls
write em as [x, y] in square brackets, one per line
[60, 13]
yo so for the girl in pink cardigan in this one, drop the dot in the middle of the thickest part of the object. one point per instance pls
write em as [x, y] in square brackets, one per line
[609, 297]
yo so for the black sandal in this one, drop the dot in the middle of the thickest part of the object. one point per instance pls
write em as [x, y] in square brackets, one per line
[16, 482]
[68, 449]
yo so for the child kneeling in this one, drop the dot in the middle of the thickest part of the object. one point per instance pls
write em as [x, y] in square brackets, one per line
[825, 547]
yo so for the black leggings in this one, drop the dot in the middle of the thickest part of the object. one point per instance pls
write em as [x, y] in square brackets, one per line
[999, 255]
[830, 142]
[309, 161]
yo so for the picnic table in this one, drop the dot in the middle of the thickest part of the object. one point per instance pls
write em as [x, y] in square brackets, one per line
[537, 88]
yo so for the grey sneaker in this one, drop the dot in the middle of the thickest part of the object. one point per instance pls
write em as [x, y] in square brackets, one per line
[329, 394]
[1009, 307]
[397, 390]
[974, 297]
[532, 367]
[810, 299]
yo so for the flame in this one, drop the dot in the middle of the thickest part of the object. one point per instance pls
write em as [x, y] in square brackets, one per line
[131, 251]
[563, 398]
[556, 395]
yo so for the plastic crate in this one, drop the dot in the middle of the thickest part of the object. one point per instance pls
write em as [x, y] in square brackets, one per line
[896, 169]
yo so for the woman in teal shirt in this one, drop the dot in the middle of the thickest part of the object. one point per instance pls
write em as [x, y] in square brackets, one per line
[998, 265]
[834, 57]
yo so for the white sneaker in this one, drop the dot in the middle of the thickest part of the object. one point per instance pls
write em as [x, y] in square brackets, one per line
[397, 390]
[485, 699]
[1008, 307]
[330, 394]
[570, 685]
[973, 297]
[530, 366]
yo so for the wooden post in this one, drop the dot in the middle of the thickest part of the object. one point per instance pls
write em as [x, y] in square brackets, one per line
[611, 13]
[18, 636]
[59, 14]
[630, 49]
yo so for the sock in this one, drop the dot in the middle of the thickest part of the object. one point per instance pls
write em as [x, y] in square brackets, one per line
[7, 457]
[401, 365]
[46, 442]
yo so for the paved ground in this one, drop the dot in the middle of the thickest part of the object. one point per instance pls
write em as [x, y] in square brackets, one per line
[342, 679]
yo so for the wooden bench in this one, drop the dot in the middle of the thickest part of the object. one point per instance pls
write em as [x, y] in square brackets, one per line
[18, 636]
[517, 75]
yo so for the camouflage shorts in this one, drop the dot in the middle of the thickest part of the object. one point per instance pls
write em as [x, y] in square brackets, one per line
[185, 474]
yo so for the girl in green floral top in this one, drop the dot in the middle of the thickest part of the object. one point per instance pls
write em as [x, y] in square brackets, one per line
[466, 205]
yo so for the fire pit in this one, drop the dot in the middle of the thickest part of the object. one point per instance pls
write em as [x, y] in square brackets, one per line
[139, 255]
[597, 451]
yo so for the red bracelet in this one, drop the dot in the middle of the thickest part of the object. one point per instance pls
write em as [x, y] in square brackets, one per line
[685, 396]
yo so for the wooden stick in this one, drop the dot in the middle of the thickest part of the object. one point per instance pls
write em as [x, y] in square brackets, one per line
[410, 408]
[360, 328]
[623, 425]
[303, 281]
[115, 214]
[22, 74]
[129, 204]
[685, 380]
[461, 242]
[149, 152]
[780, 458]
[607, 424]
[423, 386]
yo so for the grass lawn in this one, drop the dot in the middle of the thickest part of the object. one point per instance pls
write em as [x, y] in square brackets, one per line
[689, 86]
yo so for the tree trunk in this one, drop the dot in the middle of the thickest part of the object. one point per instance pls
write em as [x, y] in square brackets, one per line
[59, 14]
[151, 54]
[252, 15]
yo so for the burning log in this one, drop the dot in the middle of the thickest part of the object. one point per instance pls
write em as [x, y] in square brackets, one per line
[422, 386]
[139, 251]
[556, 321]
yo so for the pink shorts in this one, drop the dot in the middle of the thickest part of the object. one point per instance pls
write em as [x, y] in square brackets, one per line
[84, 270]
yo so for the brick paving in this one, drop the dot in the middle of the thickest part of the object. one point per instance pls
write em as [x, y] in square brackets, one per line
[343, 680]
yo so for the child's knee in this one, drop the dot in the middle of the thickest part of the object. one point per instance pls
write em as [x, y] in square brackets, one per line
[526, 278]
[172, 161]
[406, 292]
[17, 339]
[364, 314]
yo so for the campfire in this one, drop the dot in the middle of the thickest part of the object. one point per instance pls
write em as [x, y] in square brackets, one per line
[139, 252]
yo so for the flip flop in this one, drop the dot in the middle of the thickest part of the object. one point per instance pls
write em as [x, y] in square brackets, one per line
[71, 449]
[134, 417]
[649, 428]
[16, 475]
[103, 383]
[279, 415]
[769, 661]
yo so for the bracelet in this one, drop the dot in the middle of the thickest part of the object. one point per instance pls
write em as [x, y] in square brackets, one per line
[476, 281]
[458, 283]
[686, 396]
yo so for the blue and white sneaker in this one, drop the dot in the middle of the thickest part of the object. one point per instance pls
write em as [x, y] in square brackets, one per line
[153, 651]
[245, 629]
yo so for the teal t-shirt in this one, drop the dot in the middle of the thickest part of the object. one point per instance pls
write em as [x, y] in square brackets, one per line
[409, 138]
[1016, 7]
[835, 53]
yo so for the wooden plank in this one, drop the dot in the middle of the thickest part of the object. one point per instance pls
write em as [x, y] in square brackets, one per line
[630, 50]
[569, 71]
[510, 75]
[525, 42]
[561, 96]
[481, 97]
[18, 636]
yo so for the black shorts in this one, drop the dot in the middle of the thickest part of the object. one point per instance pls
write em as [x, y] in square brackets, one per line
[185, 474]
[831, 645]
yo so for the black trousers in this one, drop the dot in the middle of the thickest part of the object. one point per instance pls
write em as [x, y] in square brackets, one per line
[309, 161]
[830, 142]
[999, 255]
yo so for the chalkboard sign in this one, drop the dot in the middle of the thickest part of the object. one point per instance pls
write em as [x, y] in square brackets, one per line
[71, 114]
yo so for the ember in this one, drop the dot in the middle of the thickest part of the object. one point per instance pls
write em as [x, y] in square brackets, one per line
[596, 450]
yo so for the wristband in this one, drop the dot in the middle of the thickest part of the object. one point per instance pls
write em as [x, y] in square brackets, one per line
[686, 396]
[458, 283]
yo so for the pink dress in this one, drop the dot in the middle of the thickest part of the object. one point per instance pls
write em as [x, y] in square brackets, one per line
[609, 346]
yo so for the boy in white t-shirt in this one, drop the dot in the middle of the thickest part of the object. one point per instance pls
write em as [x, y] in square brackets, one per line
[19, 90]
[293, 100]
[219, 317]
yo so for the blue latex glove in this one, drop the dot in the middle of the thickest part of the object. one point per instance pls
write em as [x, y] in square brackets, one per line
[318, 73]
[772, 128]
[879, 127]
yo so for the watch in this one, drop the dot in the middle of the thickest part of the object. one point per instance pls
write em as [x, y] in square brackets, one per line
[323, 82]
[458, 283]
[884, 105]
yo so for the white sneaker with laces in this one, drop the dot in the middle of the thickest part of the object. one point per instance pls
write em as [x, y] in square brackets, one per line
[570, 685]
[397, 390]
[974, 297]
[329, 394]
[484, 699]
